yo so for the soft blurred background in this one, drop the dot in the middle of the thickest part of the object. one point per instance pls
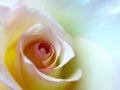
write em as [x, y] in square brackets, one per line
[94, 20]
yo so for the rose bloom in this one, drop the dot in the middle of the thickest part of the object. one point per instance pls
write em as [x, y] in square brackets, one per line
[37, 53]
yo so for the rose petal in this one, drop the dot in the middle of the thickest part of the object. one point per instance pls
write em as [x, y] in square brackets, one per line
[4, 86]
[42, 81]
[21, 17]
[100, 70]
[5, 76]
[78, 13]
[9, 3]
[3, 12]
[66, 53]
[8, 80]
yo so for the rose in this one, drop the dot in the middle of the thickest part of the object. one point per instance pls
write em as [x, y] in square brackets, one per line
[41, 50]
[92, 60]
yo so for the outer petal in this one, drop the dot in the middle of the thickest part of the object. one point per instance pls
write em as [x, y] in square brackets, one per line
[8, 2]
[6, 80]
[4, 86]
[21, 17]
[99, 69]
[75, 15]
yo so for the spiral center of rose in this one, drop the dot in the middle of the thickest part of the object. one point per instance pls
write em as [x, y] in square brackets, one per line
[44, 48]
[39, 53]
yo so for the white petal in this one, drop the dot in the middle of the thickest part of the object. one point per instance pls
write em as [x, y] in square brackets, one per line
[3, 86]
[99, 69]
[66, 53]
[22, 17]
[76, 76]
[4, 14]
[8, 2]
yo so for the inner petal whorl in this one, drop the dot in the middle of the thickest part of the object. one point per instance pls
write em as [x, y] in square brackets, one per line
[37, 52]
[44, 49]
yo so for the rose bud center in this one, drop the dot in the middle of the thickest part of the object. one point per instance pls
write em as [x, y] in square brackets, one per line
[39, 52]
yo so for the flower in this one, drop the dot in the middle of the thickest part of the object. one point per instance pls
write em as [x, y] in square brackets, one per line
[99, 69]
[37, 50]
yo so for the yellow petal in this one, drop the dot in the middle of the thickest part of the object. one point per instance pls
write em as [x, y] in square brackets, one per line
[3, 86]
[5, 76]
